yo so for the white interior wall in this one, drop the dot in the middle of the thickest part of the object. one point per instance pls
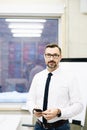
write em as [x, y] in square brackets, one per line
[31, 6]
[76, 30]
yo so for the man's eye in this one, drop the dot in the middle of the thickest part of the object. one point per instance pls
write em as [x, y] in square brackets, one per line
[48, 54]
[55, 55]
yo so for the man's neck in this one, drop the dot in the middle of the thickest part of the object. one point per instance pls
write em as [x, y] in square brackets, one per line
[52, 69]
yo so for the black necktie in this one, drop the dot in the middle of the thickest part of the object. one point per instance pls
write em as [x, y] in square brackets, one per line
[46, 94]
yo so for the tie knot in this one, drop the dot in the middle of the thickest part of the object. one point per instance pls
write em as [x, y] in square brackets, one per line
[50, 74]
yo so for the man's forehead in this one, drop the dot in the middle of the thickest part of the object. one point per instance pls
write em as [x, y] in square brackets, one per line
[54, 49]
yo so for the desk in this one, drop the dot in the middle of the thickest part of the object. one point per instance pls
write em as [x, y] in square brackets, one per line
[9, 122]
[13, 115]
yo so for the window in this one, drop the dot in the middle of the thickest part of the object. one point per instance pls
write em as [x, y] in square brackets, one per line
[22, 42]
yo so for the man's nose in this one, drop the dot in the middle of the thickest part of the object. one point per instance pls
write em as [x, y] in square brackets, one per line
[51, 57]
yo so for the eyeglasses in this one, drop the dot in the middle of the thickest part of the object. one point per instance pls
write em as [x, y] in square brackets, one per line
[55, 56]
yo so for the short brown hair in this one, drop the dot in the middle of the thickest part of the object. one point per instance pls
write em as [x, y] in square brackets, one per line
[52, 45]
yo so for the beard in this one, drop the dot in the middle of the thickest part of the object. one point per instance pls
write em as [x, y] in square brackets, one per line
[52, 64]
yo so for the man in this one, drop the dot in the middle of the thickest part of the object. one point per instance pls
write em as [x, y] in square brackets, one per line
[64, 99]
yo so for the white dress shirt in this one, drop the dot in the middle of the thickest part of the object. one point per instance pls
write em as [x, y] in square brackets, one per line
[63, 93]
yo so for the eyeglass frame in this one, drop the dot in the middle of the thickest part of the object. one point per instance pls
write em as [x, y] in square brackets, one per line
[55, 55]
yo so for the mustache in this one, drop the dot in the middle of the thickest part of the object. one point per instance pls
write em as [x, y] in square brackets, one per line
[51, 61]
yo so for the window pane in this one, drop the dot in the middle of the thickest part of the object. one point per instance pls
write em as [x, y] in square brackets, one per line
[20, 52]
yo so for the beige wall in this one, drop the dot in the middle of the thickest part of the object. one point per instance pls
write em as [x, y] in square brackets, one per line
[76, 30]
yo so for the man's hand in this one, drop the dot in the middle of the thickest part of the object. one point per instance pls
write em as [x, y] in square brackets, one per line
[50, 114]
[37, 113]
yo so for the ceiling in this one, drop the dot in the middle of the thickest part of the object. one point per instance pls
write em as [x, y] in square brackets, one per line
[49, 34]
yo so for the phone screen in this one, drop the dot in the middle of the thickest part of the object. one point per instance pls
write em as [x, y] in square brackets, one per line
[38, 110]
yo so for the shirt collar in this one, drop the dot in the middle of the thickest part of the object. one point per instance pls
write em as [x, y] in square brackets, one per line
[55, 71]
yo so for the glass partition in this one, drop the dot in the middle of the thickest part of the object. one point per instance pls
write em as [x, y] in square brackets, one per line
[22, 42]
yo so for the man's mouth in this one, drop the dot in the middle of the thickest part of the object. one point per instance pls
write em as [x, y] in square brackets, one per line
[51, 62]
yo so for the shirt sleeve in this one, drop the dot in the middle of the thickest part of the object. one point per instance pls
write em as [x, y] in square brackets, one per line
[76, 103]
[30, 104]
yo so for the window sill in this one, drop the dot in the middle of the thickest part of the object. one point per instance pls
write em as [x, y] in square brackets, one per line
[11, 106]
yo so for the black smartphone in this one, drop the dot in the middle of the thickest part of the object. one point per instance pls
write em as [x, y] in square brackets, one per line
[38, 110]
